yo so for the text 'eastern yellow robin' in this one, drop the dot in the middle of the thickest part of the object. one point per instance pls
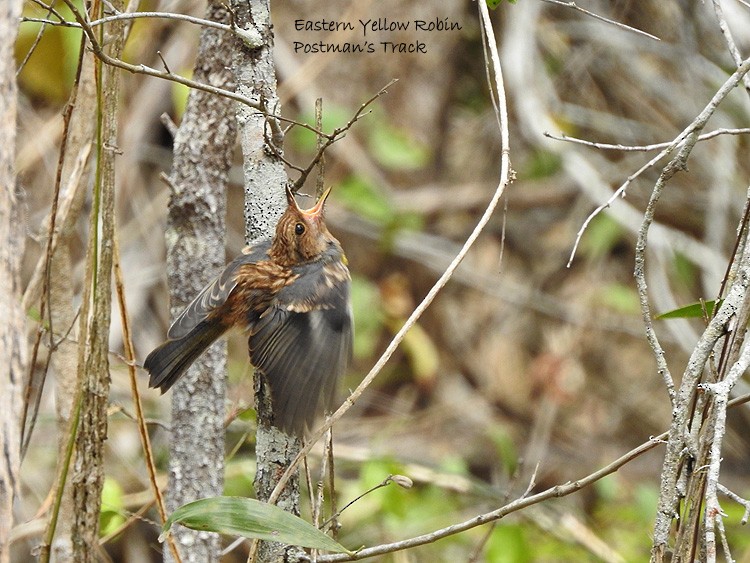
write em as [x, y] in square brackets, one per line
[291, 295]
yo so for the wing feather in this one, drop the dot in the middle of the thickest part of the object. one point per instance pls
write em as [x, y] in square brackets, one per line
[215, 294]
[303, 343]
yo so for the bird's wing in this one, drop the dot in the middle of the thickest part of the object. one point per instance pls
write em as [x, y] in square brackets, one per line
[303, 343]
[215, 294]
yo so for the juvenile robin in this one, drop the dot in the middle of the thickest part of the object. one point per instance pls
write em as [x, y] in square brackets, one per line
[291, 296]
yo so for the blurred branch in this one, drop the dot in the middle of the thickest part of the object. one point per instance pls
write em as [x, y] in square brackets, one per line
[13, 345]
[731, 45]
[574, 6]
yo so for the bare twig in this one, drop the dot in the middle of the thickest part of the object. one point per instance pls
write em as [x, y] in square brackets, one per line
[553, 492]
[679, 141]
[519, 504]
[337, 134]
[721, 392]
[714, 330]
[643, 148]
[166, 66]
[574, 6]
[729, 39]
[50, 9]
[137, 15]
[739, 500]
[140, 419]
[387, 481]
[143, 69]
[40, 280]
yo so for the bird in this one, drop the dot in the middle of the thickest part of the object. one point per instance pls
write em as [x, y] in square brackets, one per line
[291, 295]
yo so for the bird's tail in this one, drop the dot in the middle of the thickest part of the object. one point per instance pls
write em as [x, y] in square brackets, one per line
[168, 362]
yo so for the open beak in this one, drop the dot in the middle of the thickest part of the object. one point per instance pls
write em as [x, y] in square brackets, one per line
[315, 210]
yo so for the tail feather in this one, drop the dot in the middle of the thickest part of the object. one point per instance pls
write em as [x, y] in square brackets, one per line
[168, 362]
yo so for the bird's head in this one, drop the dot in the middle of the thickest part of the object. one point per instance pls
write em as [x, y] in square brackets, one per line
[301, 234]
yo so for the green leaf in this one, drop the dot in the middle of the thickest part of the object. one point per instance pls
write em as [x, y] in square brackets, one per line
[395, 149]
[250, 518]
[305, 140]
[112, 508]
[492, 4]
[692, 311]
[361, 197]
[541, 164]
[601, 237]
[508, 544]
[620, 298]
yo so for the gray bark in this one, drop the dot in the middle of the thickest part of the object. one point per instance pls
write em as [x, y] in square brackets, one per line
[203, 149]
[12, 329]
[265, 178]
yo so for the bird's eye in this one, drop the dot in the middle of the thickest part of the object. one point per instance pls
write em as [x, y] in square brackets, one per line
[299, 228]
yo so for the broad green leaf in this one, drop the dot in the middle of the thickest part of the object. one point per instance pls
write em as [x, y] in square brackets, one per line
[422, 353]
[492, 4]
[112, 510]
[692, 311]
[180, 94]
[601, 237]
[250, 518]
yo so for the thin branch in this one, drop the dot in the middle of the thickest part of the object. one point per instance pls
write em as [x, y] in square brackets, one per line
[42, 272]
[129, 349]
[553, 492]
[337, 134]
[49, 8]
[86, 26]
[245, 36]
[739, 500]
[143, 69]
[731, 45]
[679, 141]
[643, 148]
[574, 6]
[166, 66]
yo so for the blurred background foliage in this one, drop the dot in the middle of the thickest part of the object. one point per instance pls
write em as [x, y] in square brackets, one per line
[522, 361]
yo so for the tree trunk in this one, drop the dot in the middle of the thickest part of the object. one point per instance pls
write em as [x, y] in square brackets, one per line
[265, 179]
[203, 149]
[12, 329]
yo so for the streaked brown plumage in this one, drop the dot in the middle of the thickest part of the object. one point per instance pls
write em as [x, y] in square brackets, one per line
[291, 295]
